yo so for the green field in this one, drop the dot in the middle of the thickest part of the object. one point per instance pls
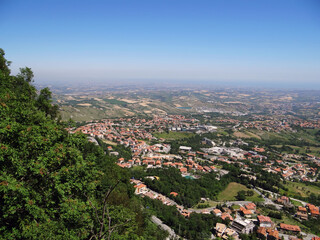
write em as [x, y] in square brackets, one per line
[109, 142]
[296, 203]
[236, 207]
[81, 113]
[117, 102]
[287, 137]
[230, 193]
[210, 203]
[138, 168]
[301, 150]
[173, 135]
[300, 189]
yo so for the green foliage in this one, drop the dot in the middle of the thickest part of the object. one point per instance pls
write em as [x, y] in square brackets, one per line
[250, 193]
[265, 180]
[116, 102]
[275, 214]
[4, 64]
[52, 183]
[313, 224]
[203, 206]
[241, 195]
[189, 191]
[173, 135]
[26, 74]
[198, 226]
[44, 103]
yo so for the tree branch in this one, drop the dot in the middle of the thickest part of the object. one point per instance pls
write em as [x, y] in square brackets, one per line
[105, 211]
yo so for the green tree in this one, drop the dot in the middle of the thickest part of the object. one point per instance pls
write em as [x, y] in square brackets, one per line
[4, 64]
[26, 74]
[44, 103]
[52, 183]
[250, 193]
[241, 195]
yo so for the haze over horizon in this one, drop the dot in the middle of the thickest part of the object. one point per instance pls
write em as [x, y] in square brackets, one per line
[260, 43]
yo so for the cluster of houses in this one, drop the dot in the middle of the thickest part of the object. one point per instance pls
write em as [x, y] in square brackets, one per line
[288, 165]
[276, 123]
[272, 123]
[307, 123]
[290, 170]
[137, 134]
[310, 210]
[142, 190]
[270, 126]
[242, 223]
[248, 220]
[243, 220]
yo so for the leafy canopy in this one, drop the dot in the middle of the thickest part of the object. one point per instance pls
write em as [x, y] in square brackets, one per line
[52, 183]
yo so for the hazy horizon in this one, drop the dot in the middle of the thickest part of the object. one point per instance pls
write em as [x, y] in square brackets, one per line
[233, 43]
[176, 85]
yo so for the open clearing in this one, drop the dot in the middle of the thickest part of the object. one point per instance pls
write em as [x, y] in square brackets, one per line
[246, 135]
[109, 142]
[230, 193]
[84, 104]
[210, 203]
[173, 135]
[301, 189]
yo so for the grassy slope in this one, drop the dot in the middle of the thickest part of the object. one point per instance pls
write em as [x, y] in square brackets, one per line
[173, 135]
[306, 135]
[231, 191]
[297, 188]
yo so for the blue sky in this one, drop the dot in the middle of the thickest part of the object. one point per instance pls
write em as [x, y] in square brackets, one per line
[236, 41]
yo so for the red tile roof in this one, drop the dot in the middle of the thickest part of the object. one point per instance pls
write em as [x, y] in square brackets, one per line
[251, 206]
[273, 233]
[245, 211]
[216, 211]
[174, 194]
[140, 186]
[288, 227]
[302, 209]
[264, 219]
[226, 215]
[183, 169]
[262, 230]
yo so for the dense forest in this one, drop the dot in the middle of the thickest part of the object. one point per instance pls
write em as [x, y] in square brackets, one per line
[56, 185]
[197, 226]
[190, 191]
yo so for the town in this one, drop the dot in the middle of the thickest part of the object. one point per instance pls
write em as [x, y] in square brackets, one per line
[149, 150]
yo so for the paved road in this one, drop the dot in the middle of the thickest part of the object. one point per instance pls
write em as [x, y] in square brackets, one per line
[157, 221]
[268, 201]
[302, 202]
[200, 210]
[228, 203]
[278, 195]
[305, 236]
[241, 203]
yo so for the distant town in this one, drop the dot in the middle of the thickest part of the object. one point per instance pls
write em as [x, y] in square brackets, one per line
[150, 143]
